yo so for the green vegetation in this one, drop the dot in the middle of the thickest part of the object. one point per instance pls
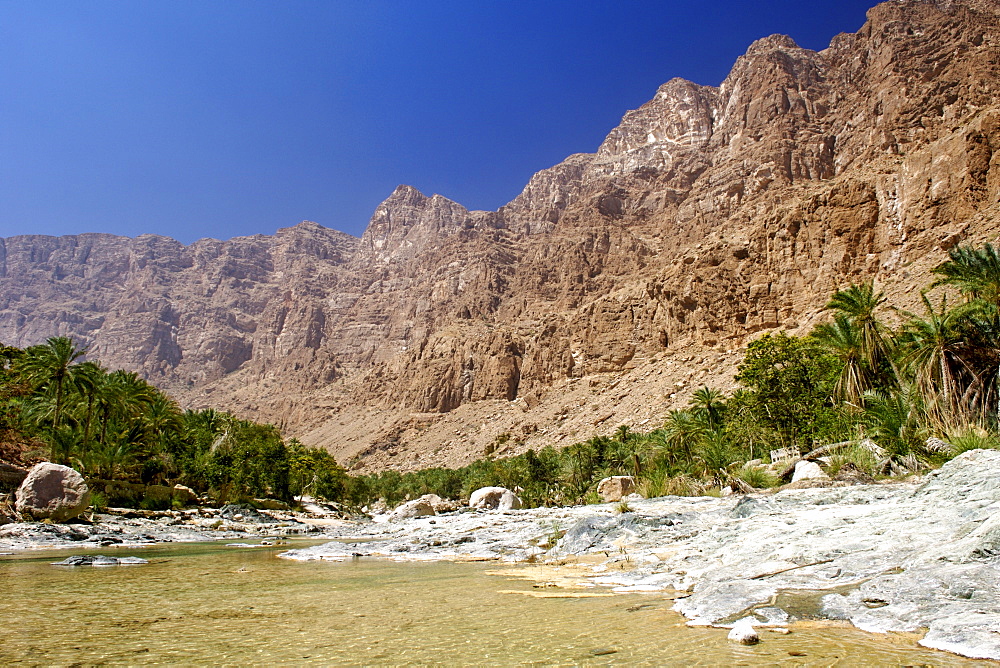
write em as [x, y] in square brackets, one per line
[865, 394]
[133, 442]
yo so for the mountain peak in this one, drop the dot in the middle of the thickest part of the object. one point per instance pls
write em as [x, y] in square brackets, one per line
[771, 43]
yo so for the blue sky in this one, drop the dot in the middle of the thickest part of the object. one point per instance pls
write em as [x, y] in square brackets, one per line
[190, 118]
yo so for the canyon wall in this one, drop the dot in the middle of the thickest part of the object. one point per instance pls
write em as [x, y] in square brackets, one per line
[610, 287]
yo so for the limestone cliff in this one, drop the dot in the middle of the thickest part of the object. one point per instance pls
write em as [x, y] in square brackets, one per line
[614, 282]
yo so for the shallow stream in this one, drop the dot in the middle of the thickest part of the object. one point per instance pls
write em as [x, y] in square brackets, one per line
[210, 604]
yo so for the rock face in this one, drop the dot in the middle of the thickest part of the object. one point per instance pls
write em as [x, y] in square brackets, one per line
[615, 488]
[494, 498]
[52, 491]
[709, 215]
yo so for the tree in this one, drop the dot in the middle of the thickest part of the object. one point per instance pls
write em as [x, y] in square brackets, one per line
[87, 380]
[788, 382]
[974, 271]
[843, 340]
[682, 432]
[857, 304]
[933, 351]
[895, 423]
[708, 405]
[52, 365]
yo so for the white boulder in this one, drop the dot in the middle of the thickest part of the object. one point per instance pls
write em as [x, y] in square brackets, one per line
[494, 498]
[415, 508]
[807, 470]
[52, 491]
[744, 633]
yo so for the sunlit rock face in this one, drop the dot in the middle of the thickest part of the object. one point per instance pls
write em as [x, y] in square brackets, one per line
[709, 215]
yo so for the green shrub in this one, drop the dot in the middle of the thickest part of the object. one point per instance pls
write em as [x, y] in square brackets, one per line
[98, 501]
[971, 439]
[683, 485]
[757, 477]
[857, 455]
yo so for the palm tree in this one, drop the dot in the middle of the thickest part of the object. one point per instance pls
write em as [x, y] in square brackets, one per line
[975, 272]
[842, 339]
[714, 455]
[87, 379]
[623, 434]
[894, 421]
[161, 424]
[934, 351]
[582, 460]
[708, 405]
[682, 432]
[858, 304]
[52, 365]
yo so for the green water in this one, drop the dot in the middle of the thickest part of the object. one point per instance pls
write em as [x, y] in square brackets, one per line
[208, 604]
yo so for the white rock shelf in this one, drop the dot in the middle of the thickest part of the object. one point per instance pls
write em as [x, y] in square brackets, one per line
[886, 557]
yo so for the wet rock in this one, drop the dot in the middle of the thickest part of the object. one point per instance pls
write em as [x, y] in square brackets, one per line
[52, 491]
[908, 557]
[744, 633]
[746, 507]
[586, 534]
[98, 560]
[494, 498]
[972, 634]
[244, 513]
[615, 488]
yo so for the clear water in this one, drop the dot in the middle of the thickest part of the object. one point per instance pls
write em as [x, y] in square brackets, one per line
[209, 604]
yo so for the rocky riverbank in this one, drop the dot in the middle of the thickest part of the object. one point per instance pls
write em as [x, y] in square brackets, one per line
[909, 557]
[128, 527]
[919, 556]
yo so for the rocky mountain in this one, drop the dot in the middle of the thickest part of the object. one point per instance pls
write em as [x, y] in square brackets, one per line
[614, 284]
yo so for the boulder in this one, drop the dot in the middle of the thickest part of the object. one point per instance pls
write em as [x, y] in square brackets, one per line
[936, 445]
[185, 494]
[52, 491]
[744, 633]
[241, 512]
[415, 508]
[807, 470]
[614, 488]
[494, 498]
[99, 560]
[440, 505]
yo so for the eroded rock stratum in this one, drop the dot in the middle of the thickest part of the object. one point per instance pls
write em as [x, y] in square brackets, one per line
[614, 283]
